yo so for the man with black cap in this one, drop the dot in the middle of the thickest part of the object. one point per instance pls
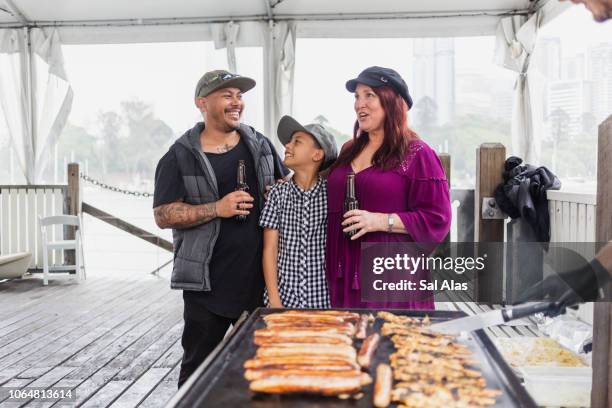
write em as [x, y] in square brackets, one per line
[217, 258]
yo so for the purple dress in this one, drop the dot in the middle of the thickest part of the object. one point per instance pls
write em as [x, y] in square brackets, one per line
[417, 191]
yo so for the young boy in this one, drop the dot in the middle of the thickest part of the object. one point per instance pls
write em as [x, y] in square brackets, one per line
[295, 220]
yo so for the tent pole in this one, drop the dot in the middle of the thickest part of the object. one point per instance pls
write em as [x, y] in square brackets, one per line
[16, 12]
[29, 87]
[26, 89]
[268, 10]
[269, 63]
[264, 17]
[32, 91]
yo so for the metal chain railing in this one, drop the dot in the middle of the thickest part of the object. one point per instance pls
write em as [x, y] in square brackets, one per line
[114, 189]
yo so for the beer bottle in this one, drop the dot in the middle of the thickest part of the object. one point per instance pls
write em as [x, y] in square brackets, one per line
[241, 185]
[350, 200]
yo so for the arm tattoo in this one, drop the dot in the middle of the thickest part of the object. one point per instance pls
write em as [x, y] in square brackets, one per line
[181, 215]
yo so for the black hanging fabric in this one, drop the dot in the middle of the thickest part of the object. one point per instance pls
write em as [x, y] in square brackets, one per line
[523, 194]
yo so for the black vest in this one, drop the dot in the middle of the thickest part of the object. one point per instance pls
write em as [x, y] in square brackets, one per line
[193, 246]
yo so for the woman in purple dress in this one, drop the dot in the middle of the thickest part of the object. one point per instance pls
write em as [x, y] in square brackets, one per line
[400, 184]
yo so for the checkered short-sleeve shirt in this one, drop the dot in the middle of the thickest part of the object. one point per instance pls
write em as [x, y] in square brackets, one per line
[301, 220]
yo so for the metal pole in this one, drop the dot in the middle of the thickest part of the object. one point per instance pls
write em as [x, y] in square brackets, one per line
[277, 17]
[32, 99]
[156, 271]
[26, 87]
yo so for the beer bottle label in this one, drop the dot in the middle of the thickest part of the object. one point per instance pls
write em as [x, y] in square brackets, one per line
[241, 185]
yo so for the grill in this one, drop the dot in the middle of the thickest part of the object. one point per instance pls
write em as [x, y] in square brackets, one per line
[219, 381]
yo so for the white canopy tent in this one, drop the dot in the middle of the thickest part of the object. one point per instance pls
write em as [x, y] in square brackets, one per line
[272, 24]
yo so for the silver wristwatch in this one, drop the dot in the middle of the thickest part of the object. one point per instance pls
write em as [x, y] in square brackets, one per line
[390, 222]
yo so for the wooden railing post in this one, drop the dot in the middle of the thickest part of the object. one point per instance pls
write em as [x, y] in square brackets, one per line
[127, 227]
[73, 200]
[490, 159]
[444, 247]
[601, 394]
[445, 159]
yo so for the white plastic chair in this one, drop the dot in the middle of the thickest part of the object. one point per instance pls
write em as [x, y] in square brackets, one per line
[76, 244]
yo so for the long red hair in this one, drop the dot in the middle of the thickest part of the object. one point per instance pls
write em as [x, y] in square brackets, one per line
[397, 133]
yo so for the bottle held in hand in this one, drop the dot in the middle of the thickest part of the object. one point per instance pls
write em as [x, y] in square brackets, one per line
[350, 200]
[241, 185]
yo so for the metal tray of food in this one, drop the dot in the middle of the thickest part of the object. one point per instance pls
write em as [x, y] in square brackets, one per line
[220, 382]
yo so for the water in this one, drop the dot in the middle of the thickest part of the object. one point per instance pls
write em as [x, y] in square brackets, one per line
[110, 250]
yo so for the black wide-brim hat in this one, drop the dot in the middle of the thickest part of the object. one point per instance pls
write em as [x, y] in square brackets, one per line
[380, 76]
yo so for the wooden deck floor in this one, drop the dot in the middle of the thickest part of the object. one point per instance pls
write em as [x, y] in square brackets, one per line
[114, 339]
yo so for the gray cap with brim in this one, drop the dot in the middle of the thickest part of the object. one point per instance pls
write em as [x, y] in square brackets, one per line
[288, 126]
[214, 80]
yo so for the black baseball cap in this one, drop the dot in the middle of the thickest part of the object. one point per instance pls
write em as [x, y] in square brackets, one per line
[380, 76]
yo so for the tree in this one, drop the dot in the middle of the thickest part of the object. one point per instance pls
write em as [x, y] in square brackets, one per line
[426, 114]
[559, 120]
[559, 130]
[147, 138]
[127, 144]
[589, 123]
[321, 120]
[110, 124]
[578, 157]
[340, 137]
[78, 141]
[464, 134]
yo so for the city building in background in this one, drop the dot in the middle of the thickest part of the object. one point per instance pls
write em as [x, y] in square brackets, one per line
[600, 72]
[433, 82]
[579, 88]
[547, 57]
[568, 102]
